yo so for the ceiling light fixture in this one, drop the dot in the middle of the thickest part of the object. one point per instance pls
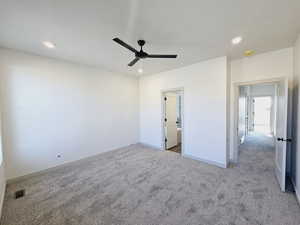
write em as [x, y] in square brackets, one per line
[48, 44]
[140, 67]
[236, 40]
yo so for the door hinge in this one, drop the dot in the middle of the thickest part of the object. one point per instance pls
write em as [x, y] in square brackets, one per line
[166, 140]
[166, 119]
[165, 98]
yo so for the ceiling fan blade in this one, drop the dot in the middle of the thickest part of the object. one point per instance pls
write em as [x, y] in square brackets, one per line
[133, 61]
[119, 41]
[161, 56]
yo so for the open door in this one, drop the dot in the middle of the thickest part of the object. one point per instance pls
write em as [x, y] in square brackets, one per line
[170, 121]
[281, 133]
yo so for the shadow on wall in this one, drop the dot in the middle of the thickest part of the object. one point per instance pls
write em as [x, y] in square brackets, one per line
[295, 128]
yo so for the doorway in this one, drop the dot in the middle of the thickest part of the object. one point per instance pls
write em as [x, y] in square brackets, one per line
[261, 122]
[257, 110]
[173, 121]
[262, 114]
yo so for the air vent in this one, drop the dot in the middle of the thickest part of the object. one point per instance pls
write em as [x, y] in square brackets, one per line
[19, 193]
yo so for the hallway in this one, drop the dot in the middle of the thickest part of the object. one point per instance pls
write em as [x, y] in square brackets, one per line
[257, 151]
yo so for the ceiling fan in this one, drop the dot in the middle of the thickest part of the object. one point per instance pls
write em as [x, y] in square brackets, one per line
[140, 54]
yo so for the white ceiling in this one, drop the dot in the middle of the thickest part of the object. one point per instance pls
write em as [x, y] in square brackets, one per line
[194, 29]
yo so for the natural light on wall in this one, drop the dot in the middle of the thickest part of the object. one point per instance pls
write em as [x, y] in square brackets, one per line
[262, 114]
[1, 154]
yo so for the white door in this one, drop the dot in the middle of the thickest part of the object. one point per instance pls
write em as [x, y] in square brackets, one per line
[170, 121]
[281, 133]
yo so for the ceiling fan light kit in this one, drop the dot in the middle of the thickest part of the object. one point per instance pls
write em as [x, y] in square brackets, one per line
[140, 54]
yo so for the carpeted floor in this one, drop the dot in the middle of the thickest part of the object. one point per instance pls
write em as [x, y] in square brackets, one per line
[138, 185]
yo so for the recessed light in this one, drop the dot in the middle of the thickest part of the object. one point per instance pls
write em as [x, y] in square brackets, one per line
[140, 70]
[48, 44]
[236, 40]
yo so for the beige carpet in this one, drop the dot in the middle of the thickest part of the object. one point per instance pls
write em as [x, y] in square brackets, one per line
[138, 185]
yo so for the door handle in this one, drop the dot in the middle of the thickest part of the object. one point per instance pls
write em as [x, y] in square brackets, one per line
[286, 140]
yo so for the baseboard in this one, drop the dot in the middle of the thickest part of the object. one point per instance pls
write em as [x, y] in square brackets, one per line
[51, 169]
[187, 156]
[218, 164]
[2, 198]
[150, 146]
[2, 185]
[297, 193]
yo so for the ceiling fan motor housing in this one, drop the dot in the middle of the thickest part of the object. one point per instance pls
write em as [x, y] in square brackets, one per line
[141, 42]
[141, 54]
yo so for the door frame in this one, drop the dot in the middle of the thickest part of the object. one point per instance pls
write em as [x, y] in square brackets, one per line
[236, 92]
[163, 112]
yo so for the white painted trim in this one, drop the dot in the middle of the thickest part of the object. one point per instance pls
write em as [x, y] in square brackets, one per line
[235, 132]
[163, 95]
[297, 193]
[218, 164]
[264, 81]
[2, 198]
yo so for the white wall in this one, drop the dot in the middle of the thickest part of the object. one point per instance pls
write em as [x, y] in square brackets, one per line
[296, 121]
[51, 108]
[269, 65]
[204, 106]
[262, 90]
[2, 175]
[263, 66]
